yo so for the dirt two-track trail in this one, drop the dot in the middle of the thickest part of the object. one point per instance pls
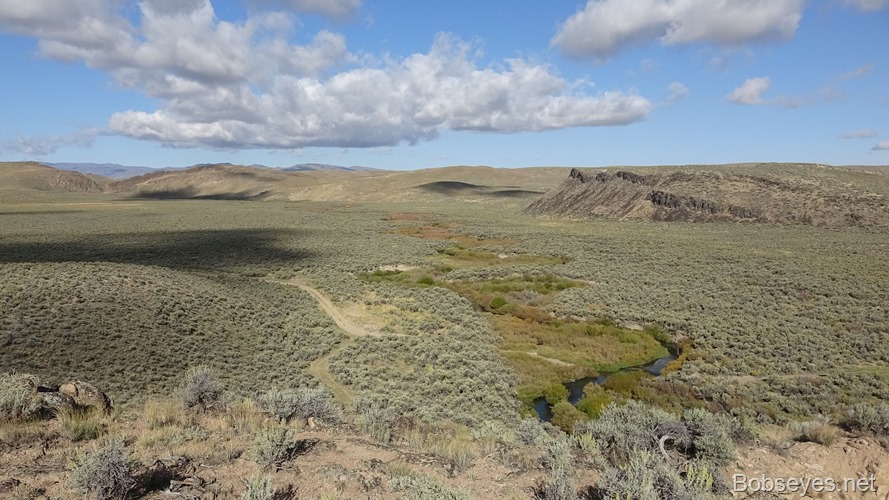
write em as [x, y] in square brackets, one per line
[320, 368]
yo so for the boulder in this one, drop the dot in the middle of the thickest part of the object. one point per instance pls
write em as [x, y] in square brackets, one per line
[86, 395]
[53, 403]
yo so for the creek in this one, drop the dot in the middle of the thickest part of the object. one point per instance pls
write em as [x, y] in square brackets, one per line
[575, 387]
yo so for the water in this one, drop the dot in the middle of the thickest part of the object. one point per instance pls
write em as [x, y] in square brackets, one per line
[575, 388]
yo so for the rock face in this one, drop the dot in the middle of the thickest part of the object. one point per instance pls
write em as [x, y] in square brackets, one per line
[779, 193]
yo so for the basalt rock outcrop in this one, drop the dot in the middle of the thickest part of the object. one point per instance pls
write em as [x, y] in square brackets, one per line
[71, 396]
[771, 193]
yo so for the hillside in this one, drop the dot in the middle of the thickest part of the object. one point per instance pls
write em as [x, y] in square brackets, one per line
[232, 182]
[31, 176]
[779, 193]
[156, 319]
[109, 170]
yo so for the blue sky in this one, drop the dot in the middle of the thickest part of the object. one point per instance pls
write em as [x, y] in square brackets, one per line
[405, 85]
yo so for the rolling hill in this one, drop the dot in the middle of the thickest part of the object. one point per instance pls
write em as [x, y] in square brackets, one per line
[779, 193]
[31, 176]
[110, 170]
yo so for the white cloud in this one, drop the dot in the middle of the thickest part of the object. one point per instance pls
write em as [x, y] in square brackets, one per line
[677, 92]
[857, 72]
[46, 145]
[410, 100]
[332, 8]
[868, 5]
[859, 134]
[245, 85]
[750, 92]
[881, 146]
[605, 27]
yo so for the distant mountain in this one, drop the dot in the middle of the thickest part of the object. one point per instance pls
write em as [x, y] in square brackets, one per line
[111, 170]
[306, 167]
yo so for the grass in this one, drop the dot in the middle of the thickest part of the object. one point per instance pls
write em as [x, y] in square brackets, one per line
[81, 425]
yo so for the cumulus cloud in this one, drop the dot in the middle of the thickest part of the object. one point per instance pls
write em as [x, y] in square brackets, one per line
[859, 134]
[881, 146]
[751, 91]
[868, 5]
[605, 27]
[409, 100]
[246, 85]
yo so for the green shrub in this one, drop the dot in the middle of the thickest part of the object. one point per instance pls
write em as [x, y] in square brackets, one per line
[595, 398]
[273, 446]
[565, 416]
[200, 388]
[18, 398]
[621, 430]
[559, 484]
[107, 473]
[710, 438]
[301, 403]
[555, 393]
[258, 488]
[423, 487]
[375, 419]
[870, 418]
[645, 477]
[426, 280]
[498, 302]
[529, 431]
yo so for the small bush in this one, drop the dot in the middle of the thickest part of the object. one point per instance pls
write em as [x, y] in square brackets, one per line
[644, 477]
[529, 431]
[18, 400]
[595, 398]
[818, 431]
[498, 302]
[621, 430]
[870, 418]
[258, 488]
[200, 389]
[566, 416]
[273, 446]
[375, 419]
[301, 403]
[710, 436]
[560, 462]
[423, 487]
[426, 280]
[105, 474]
[555, 393]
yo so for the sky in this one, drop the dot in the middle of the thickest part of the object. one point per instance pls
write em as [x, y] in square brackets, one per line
[404, 85]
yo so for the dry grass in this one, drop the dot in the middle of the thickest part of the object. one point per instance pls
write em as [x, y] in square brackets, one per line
[158, 413]
[82, 425]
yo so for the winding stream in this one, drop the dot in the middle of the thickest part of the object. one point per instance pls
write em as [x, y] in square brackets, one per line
[575, 388]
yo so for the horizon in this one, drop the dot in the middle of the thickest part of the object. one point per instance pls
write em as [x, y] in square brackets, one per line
[401, 87]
